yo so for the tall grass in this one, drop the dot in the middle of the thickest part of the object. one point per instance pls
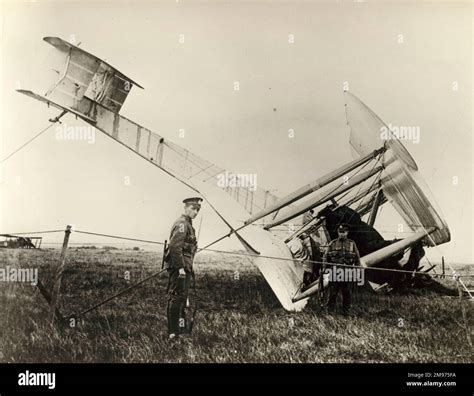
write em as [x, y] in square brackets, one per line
[238, 320]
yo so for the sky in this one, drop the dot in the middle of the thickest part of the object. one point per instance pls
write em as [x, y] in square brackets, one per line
[411, 63]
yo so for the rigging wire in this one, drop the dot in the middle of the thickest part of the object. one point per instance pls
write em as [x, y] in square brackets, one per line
[31, 233]
[338, 186]
[28, 142]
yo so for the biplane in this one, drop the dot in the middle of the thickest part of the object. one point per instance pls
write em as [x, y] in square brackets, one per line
[381, 172]
[20, 242]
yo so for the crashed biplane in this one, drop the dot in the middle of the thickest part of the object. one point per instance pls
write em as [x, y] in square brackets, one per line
[383, 171]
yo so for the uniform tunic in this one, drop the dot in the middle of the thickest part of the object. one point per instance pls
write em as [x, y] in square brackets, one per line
[183, 244]
[341, 251]
[180, 255]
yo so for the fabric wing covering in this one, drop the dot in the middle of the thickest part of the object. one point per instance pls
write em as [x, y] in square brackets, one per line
[401, 181]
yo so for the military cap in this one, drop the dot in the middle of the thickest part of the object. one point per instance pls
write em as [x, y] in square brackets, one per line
[193, 201]
[343, 227]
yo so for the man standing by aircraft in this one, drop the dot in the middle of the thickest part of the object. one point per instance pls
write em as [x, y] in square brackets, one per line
[341, 250]
[308, 251]
[179, 260]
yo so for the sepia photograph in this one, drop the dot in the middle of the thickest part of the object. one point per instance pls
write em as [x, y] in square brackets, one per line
[190, 184]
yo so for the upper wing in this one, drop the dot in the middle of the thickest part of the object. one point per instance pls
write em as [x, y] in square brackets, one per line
[401, 181]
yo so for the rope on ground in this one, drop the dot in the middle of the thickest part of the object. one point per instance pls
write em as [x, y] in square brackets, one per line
[95, 306]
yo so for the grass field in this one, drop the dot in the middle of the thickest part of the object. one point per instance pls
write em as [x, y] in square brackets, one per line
[239, 320]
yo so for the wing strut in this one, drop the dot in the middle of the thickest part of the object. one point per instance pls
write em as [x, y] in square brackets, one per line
[314, 186]
[375, 208]
[346, 202]
[322, 198]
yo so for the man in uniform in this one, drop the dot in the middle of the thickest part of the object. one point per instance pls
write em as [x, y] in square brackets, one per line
[341, 250]
[179, 260]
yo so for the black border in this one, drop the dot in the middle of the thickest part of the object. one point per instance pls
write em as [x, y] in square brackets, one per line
[320, 379]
